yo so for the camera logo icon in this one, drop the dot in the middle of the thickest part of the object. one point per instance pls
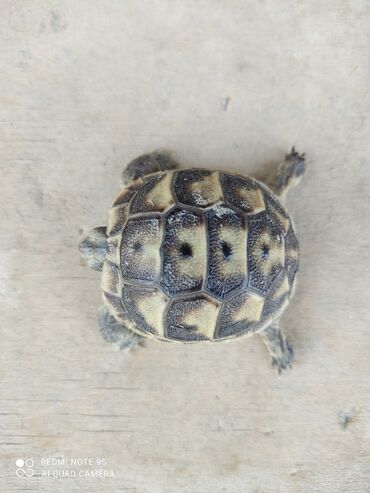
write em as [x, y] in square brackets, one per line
[25, 468]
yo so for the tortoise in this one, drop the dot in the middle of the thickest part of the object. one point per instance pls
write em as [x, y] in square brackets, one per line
[192, 255]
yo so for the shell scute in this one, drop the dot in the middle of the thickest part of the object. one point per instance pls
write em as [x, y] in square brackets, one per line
[277, 299]
[243, 193]
[184, 252]
[227, 264]
[140, 245]
[110, 281]
[117, 218]
[198, 187]
[155, 195]
[192, 319]
[240, 314]
[266, 257]
[146, 308]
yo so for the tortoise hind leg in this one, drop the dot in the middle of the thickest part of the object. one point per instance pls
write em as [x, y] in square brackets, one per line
[289, 173]
[147, 164]
[279, 348]
[116, 333]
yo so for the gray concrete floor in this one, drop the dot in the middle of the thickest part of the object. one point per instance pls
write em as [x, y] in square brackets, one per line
[85, 86]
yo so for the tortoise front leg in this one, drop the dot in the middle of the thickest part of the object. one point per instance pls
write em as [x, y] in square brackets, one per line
[279, 348]
[145, 165]
[116, 333]
[289, 173]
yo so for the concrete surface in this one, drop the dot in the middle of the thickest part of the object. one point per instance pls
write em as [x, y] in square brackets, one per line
[85, 86]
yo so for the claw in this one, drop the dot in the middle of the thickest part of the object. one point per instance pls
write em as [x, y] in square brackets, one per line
[285, 361]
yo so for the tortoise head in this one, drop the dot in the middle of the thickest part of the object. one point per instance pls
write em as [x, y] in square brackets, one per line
[94, 248]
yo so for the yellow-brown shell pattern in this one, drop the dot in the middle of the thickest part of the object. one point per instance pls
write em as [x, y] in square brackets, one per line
[198, 255]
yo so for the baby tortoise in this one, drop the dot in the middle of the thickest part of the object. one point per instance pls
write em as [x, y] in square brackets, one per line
[196, 255]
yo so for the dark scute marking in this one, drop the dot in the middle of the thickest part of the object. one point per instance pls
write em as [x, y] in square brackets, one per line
[182, 183]
[265, 251]
[139, 203]
[137, 246]
[175, 328]
[292, 265]
[173, 281]
[226, 250]
[134, 265]
[130, 298]
[186, 250]
[220, 251]
[231, 185]
[258, 279]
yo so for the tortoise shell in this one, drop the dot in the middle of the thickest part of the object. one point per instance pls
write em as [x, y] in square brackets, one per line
[198, 255]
